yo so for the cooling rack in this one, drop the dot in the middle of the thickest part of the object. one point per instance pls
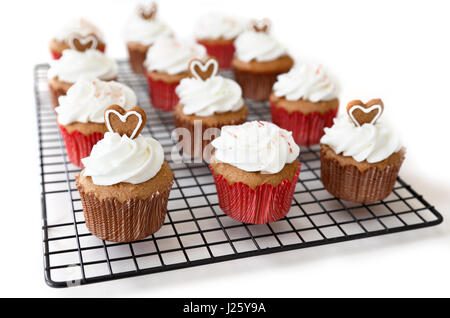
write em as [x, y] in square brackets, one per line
[196, 231]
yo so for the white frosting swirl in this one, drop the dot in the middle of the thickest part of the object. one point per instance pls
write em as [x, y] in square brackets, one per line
[89, 64]
[145, 31]
[256, 146]
[204, 98]
[172, 56]
[87, 100]
[258, 46]
[116, 159]
[308, 82]
[372, 143]
[215, 25]
[80, 26]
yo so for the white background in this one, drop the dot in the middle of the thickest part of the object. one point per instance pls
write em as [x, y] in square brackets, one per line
[396, 50]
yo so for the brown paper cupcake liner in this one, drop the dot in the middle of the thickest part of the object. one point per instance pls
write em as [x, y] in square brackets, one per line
[257, 87]
[55, 92]
[350, 184]
[137, 58]
[127, 221]
[195, 145]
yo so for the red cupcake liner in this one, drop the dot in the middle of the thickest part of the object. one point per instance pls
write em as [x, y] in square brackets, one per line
[162, 94]
[57, 55]
[222, 52]
[265, 204]
[79, 146]
[306, 129]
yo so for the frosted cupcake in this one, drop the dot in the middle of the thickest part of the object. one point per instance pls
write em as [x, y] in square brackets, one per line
[141, 31]
[84, 28]
[304, 101]
[125, 185]
[255, 170]
[78, 63]
[217, 33]
[166, 65]
[207, 100]
[258, 60]
[360, 156]
[80, 115]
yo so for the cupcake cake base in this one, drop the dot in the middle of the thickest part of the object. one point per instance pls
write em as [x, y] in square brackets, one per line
[252, 197]
[257, 78]
[194, 144]
[359, 182]
[221, 49]
[137, 54]
[162, 89]
[306, 120]
[57, 88]
[125, 212]
[79, 138]
[57, 47]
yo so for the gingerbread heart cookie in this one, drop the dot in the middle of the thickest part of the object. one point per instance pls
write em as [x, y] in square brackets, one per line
[203, 70]
[147, 12]
[368, 113]
[260, 25]
[82, 43]
[124, 122]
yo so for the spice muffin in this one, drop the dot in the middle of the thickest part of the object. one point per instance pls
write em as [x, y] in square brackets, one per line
[81, 26]
[255, 170]
[304, 101]
[75, 64]
[141, 31]
[360, 156]
[258, 60]
[80, 115]
[207, 101]
[125, 185]
[166, 65]
[217, 33]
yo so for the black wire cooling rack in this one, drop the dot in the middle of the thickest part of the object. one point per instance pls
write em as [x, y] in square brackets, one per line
[196, 231]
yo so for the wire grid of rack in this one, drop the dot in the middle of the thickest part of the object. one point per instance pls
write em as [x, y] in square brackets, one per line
[196, 231]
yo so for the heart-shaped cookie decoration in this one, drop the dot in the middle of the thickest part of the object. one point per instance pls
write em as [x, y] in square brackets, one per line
[260, 25]
[203, 70]
[82, 43]
[147, 12]
[368, 113]
[124, 122]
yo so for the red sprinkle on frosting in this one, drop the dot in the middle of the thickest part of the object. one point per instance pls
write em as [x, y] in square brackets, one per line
[231, 134]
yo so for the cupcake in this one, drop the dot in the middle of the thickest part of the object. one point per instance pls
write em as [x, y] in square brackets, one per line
[361, 157]
[124, 187]
[258, 60]
[84, 28]
[141, 31]
[207, 100]
[166, 65]
[80, 62]
[255, 170]
[217, 33]
[80, 114]
[304, 101]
